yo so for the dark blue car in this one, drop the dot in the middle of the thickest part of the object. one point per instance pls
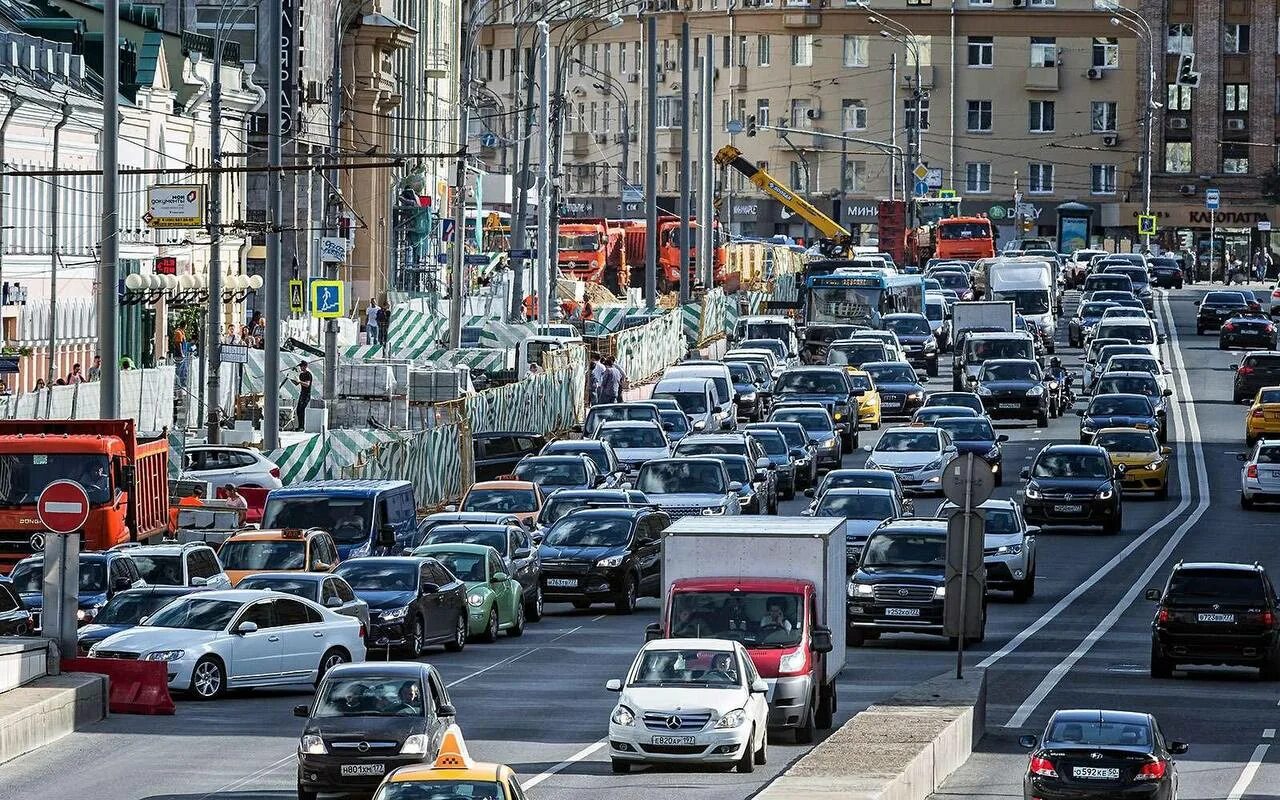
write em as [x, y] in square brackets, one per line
[828, 387]
[975, 435]
[1117, 411]
[126, 610]
[102, 577]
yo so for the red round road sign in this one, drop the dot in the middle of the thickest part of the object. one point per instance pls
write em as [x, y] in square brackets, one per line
[63, 507]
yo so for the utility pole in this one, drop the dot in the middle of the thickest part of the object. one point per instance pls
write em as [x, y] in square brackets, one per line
[212, 348]
[109, 260]
[916, 126]
[524, 151]
[53, 250]
[542, 276]
[329, 387]
[552, 211]
[893, 128]
[706, 247]
[686, 202]
[275, 214]
[651, 163]
[460, 184]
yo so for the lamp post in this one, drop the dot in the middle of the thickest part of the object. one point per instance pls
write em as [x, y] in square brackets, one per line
[609, 85]
[1131, 20]
[894, 30]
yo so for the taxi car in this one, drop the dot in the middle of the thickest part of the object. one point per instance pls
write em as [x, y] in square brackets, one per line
[868, 400]
[453, 774]
[277, 550]
[1263, 419]
[523, 499]
[1145, 461]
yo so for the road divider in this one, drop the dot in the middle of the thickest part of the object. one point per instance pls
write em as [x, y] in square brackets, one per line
[37, 707]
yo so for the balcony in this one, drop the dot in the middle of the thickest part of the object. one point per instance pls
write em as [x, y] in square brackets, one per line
[436, 62]
[1042, 79]
[669, 140]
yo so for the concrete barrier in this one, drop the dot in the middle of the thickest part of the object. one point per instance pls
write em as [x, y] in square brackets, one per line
[901, 749]
[39, 705]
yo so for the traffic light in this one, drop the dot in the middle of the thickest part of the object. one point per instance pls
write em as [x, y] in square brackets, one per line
[751, 125]
[1187, 76]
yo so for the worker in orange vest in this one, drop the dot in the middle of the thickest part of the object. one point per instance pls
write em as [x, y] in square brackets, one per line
[531, 307]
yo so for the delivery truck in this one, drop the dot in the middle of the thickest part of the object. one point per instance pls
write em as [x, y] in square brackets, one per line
[776, 584]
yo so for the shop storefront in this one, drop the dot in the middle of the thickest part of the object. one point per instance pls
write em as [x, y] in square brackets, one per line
[1240, 231]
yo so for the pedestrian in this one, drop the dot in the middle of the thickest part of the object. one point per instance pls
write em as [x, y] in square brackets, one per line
[303, 381]
[126, 363]
[1259, 267]
[179, 340]
[373, 322]
[95, 371]
[588, 311]
[258, 328]
[613, 382]
[595, 378]
[232, 497]
[39, 384]
[76, 375]
[531, 307]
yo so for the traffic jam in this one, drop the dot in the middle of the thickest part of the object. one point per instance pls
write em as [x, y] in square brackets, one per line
[780, 501]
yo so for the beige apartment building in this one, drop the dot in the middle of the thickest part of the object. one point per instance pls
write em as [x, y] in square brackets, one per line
[1033, 98]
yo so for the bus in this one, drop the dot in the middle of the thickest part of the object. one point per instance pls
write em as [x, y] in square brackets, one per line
[861, 298]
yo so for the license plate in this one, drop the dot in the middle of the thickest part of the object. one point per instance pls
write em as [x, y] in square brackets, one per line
[902, 612]
[686, 740]
[891, 401]
[356, 770]
[1096, 773]
[1274, 473]
[1068, 509]
[1010, 405]
[562, 583]
[1215, 617]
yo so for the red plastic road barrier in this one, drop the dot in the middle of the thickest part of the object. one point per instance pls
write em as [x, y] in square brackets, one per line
[256, 498]
[136, 687]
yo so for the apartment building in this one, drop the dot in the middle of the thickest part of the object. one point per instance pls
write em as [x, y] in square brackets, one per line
[1034, 98]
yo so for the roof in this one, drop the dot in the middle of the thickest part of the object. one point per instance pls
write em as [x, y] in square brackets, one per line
[913, 525]
[290, 576]
[752, 525]
[407, 669]
[1219, 565]
[455, 547]
[614, 424]
[610, 512]
[755, 584]
[173, 548]
[385, 560]
[475, 517]
[858, 491]
[681, 382]
[163, 590]
[270, 535]
[693, 644]
[586, 444]
[236, 595]
[1083, 449]
[554, 458]
[1101, 715]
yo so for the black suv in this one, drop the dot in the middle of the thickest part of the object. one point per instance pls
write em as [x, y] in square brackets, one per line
[818, 339]
[604, 555]
[915, 332]
[828, 387]
[1255, 370]
[1216, 308]
[413, 602]
[1073, 485]
[1013, 388]
[1215, 613]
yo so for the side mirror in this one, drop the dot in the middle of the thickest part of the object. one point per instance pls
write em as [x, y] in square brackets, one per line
[734, 486]
[1160, 339]
[246, 627]
[796, 452]
[333, 602]
[499, 577]
[128, 477]
[667, 426]
[821, 639]
[122, 583]
[1080, 412]
[1242, 456]
[1025, 473]
[1167, 393]
[386, 536]
[451, 507]
[1153, 595]
[1235, 367]
[652, 631]
[320, 566]
[430, 588]
[522, 552]
[302, 711]
[613, 685]
[1033, 530]
[1166, 451]
[1028, 741]
[858, 393]
[1178, 748]
[1004, 437]
[537, 538]
[699, 426]
[759, 686]
[763, 463]
[810, 492]
[762, 474]
[198, 581]
[726, 424]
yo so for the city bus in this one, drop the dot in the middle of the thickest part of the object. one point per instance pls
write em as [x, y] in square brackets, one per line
[861, 298]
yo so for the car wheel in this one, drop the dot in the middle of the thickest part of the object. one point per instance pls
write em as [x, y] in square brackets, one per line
[1246, 501]
[328, 661]
[517, 627]
[208, 679]
[790, 493]
[825, 715]
[806, 732]
[413, 644]
[306, 794]
[1222, 345]
[1161, 667]
[1000, 478]
[931, 369]
[626, 601]
[762, 755]
[1270, 669]
[748, 761]
[459, 639]
[582, 605]
[490, 633]
[619, 766]
[1042, 420]
[1113, 526]
[1163, 492]
[1199, 331]
[533, 611]
[847, 444]
[1023, 589]
[856, 637]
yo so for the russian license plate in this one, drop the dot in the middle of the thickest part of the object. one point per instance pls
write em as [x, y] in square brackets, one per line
[1274, 473]
[677, 740]
[902, 612]
[562, 583]
[1011, 405]
[357, 770]
[1072, 509]
[1096, 773]
[1215, 617]
[891, 400]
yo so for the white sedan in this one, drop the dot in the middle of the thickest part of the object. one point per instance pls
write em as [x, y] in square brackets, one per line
[916, 455]
[239, 639]
[690, 701]
[222, 464]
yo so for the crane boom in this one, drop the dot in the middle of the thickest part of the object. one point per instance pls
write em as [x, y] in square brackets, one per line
[730, 156]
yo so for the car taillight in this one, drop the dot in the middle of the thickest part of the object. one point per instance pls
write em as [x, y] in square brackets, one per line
[1269, 328]
[1228, 327]
[1163, 615]
[1043, 767]
[275, 472]
[1268, 618]
[1245, 371]
[1257, 413]
[363, 632]
[1252, 471]
[1275, 294]
[1152, 771]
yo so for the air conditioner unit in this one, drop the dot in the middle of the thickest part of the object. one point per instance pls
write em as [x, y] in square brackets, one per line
[1110, 140]
[814, 113]
[1019, 3]
[1178, 123]
[601, 138]
[1235, 125]
[1187, 188]
[619, 138]
[670, 65]
[633, 77]
[1094, 74]
[315, 92]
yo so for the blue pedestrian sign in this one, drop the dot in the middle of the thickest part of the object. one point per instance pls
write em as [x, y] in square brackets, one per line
[1211, 199]
[328, 299]
[922, 188]
[521, 255]
[446, 229]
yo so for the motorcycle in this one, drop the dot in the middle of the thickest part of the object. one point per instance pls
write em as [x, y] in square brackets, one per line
[1061, 397]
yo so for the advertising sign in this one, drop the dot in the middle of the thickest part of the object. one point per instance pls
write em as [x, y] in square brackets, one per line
[175, 206]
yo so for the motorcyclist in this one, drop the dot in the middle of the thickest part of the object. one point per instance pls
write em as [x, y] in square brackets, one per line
[1062, 393]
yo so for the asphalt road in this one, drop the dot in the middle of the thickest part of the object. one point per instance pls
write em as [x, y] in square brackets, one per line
[538, 703]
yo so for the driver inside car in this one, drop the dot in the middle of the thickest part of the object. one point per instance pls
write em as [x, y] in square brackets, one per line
[774, 618]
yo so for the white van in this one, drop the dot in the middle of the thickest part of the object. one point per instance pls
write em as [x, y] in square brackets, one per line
[722, 383]
[696, 398]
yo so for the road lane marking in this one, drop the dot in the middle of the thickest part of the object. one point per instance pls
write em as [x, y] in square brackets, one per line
[1269, 733]
[1248, 773]
[239, 782]
[495, 665]
[1192, 425]
[571, 760]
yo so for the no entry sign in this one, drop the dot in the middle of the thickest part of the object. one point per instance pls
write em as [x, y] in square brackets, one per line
[63, 507]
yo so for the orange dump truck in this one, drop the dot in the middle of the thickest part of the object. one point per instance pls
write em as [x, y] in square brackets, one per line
[594, 250]
[636, 232]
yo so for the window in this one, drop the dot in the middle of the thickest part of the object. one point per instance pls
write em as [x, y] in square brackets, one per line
[1177, 157]
[1235, 158]
[973, 3]
[799, 177]
[1041, 3]
[922, 45]
[726, 51]
[979, 116]
[1102, 178]
[855, 50]
[977, 177]
[1103, 116]
[669, 112]
[909, 114]
[291, 612]
[854, 115]
[855, 176]
[800, 109]
[1106, 52]
[763, 47]
[1041, 178]
[259, 614]
[344, 591]
[1178, 98]
[1235, 97]
[204, 564]
[802, 51]
[742, 51]
[1044, 51]
[1179, 39]
[1041, 116]
[240, 27]
[762, 111]
[1235, 38]
[982, 51]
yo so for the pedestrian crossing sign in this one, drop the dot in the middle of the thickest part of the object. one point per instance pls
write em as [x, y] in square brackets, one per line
[295, 296]
[1146, 224]
[328, 299]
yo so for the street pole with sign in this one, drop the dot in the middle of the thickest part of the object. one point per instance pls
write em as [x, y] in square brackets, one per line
[968, 482]
[1212, 201]
[63, 509]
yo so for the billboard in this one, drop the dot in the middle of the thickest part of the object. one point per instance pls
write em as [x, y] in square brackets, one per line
[175, 206]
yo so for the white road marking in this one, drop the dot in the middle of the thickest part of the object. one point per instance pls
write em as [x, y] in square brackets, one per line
[494, 665]
[239, 782]
[1269, 733]
[573, 759]
[1192, 429]
[63, 508]
[1248, 773]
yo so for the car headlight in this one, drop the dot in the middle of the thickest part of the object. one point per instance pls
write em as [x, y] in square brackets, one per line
[871, 464]
[610, 562]
[838, 416]
[749, 397]
[1053, 384]
[1033, 492]
[732, 719]
[475, 600]
[1009, 549]
[984, 391]
[994, 452]
[312, 745]
[395, 613]
[941, 591]
[930, 344]
[1088, 429]
[792, 661]
[1035, 391]
[916, 395]
[164, 655]
[623, 716]
[712, 511]
[1105, 494]
[860, 590]
[829, 442]
[414, 745]
[744, 499]
[1155, 464]
[932, 465]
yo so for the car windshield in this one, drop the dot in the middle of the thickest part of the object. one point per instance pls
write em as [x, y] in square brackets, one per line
[856, 354]
[891, 373]
[600, 415]
[905, 550]
[936, 312]
[1230, 585]
[1026, 301]
[1269, 396]
[967, 399]
[552, 473]
[737, 469]
[1136, 275]
[1229, 299]
[633, 436]
[1125, 384]
[689, 402]
[579, 241]
[503, 501]
[128, 608]
[997, 521]
[858, 480]
[681, 477]
[774, 346]
[1094, 310]
[1133, 365]
[964, 429]
[794, 434]
[469, 567]
[348, 519]
[812, 382]
[772, 442]
[590, 531]
[28, 577]
[908, 326]
[855, 506]
[1126, 442]
[1071, 465]
[675, 423]
[465, 534]
[1112, 282]
[980, 350]
[367, 575]
[757, 619]
[699, 445]
[195, 613]
[593, 452]
[1139, 333]
[368, 696]
[714, 669]
[1084, 733]
[1023, 371]
[828, 333]
[441, 790]
[908, 441]
[740, 372]
[860, 382]
[777, 331]
[952, 280]
[1104, 405]
[263, 555]
[813, 421]
[299, 587]
[23, 476]
[158, 570]
[964, 230]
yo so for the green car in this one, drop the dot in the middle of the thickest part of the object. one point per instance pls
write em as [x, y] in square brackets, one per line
[493, 597]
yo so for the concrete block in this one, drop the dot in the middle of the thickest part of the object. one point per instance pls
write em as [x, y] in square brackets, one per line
[22, 660]
[48, 709]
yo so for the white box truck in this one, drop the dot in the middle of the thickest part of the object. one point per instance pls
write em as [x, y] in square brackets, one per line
[776, 584]
[1032, 288]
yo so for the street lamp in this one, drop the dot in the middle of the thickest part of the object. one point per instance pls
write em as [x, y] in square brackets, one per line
[895, 31]
[1127, 20]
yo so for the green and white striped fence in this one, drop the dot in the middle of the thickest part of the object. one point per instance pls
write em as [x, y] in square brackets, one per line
[645, 351]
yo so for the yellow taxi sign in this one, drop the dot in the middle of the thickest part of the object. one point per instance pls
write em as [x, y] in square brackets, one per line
[453, 751]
